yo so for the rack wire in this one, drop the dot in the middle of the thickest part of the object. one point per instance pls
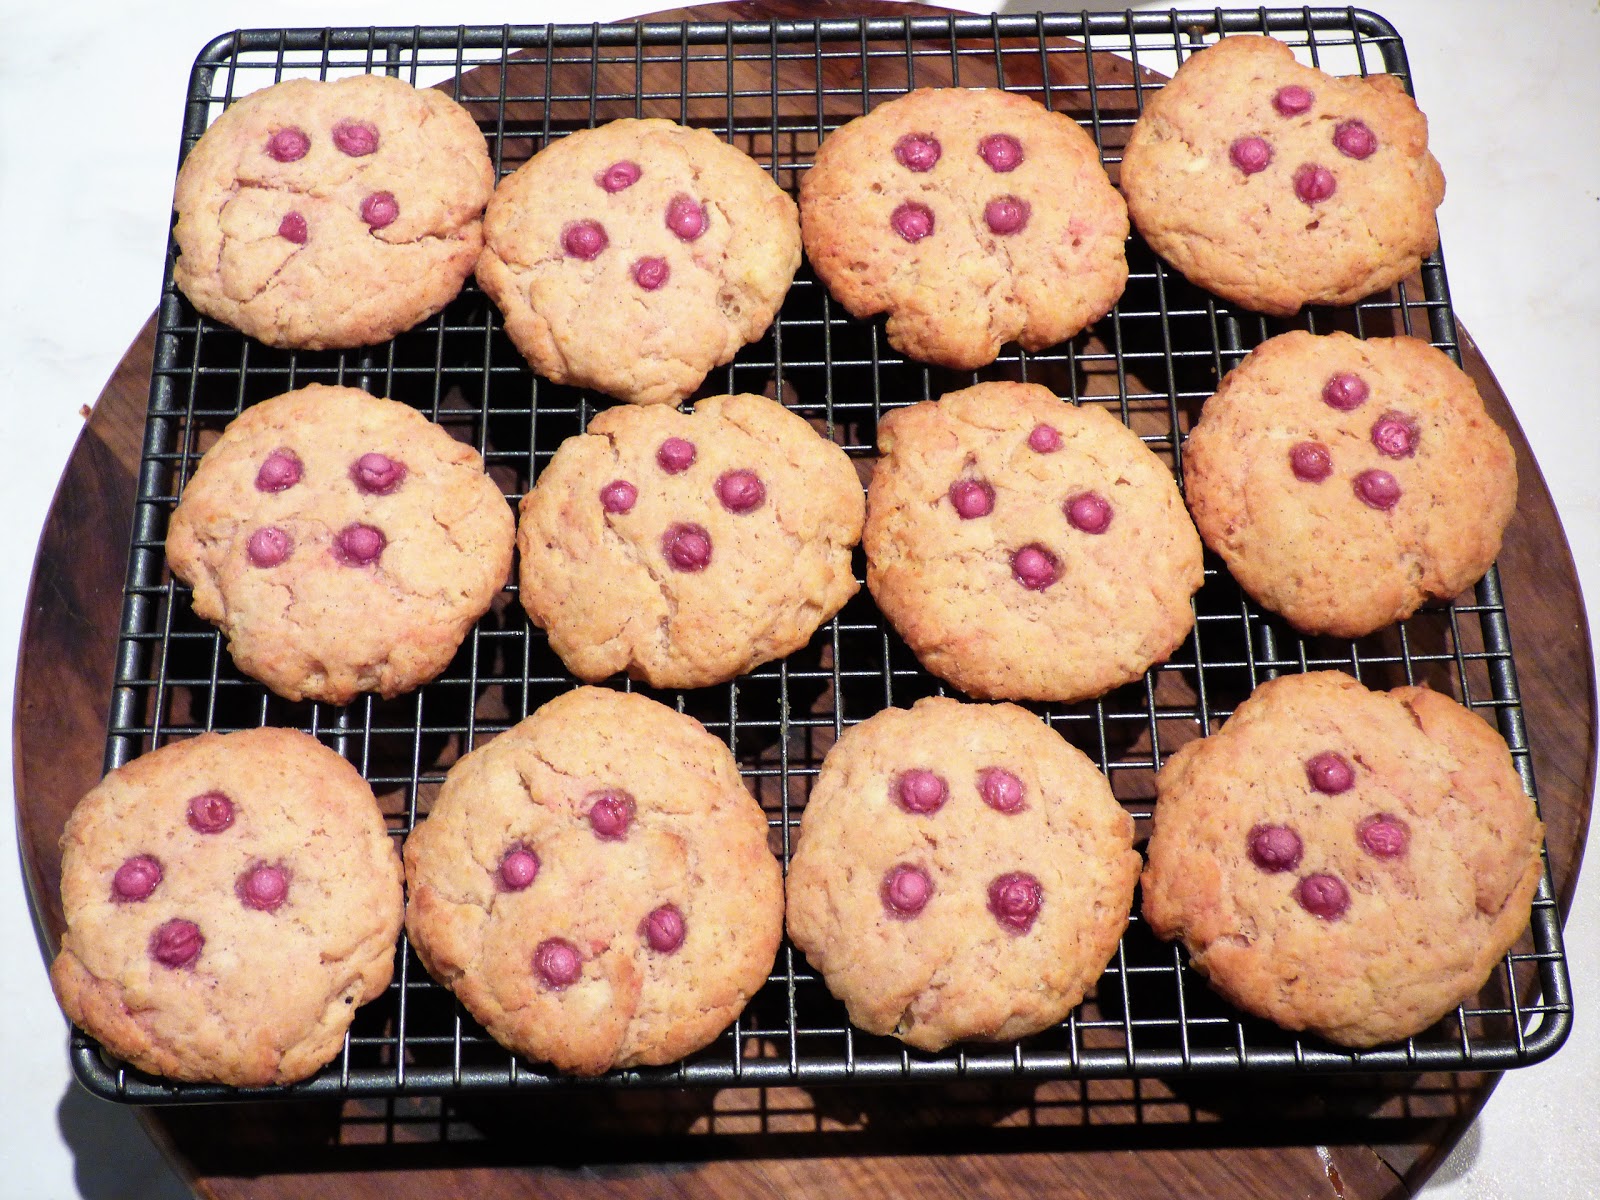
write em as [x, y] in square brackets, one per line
[776, 89]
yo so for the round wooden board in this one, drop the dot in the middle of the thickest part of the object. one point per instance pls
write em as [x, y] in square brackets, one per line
[1323, 1137]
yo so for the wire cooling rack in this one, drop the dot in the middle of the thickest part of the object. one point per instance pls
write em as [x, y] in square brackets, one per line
[775, 90]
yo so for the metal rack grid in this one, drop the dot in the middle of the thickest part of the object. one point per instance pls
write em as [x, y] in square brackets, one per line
[776, 89]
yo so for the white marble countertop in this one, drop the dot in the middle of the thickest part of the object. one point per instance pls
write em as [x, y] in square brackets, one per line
[91, 95]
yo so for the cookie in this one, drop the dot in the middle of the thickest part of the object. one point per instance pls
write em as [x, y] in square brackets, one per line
[1275, 186]
[1025, 548]
[1347, 862]
[686, 549]
[962, 872]
[973, 217]
[344, 543]
[319, 215]
[595, 885]
[1346, 482]
[230, 900]
[635, 257]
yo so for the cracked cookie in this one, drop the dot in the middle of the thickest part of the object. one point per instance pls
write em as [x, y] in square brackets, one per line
[973, 217]
[962, 872]
[1275, 185]
[229, 901]
[595, 885]
[689, 548]
[1347, 482]
[325, 215]
[1026, 548]
[635, 257]
[344, 543]
[1348, 862]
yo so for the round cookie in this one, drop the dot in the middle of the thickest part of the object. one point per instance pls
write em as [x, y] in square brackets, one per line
[634, 257]
[323, 215]
[229, 901]
[973, 217]
[1274, 185]
[689, 548]
[1026, 548]
[343, 543]
[1348, 862]
[1346, 482]
[595, 885]
[962, 872]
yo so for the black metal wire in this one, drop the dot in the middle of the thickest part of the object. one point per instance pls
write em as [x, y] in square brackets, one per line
[1164, 349]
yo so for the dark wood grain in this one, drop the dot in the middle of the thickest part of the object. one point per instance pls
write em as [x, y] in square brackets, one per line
[1330, 1137]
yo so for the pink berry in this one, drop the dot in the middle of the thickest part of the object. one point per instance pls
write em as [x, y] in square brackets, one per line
[1379, 489]
[1293, 100]
[618, 496]
[1274, 847]
[1311, 462]
[177, 943]
[377, 474]
[1330, 773]
[556, 962]
[1313, 183]
[1354, 139]
[675, 455]
[905, 890]
[584, 240]
[1088, 512]
[651, 273]
[380, 209]
[1035, 567]
[1323, 896]
[518, 869]
[1006, 215]
[1045, 439]
[279, 471]
[136, 878]
[263, 887]
[664, 929]
[1000, 789]
[1395, 435]
[610, 814]
[288, 144]
[1345, 392]
[1001, 151]
[619, 175]
[1383, 836]
[917, 151]
[912, 221]
[268, 547]
[920, 791]
[1014, 901]
[1250, 154]
[971, 498]
[686, 218]
[741, 491]
[210, 812]
[355, 138]
[359, 545]
[686, 547]
[293, 228]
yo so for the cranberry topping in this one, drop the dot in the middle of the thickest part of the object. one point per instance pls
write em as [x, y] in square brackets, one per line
[1250, 154]
[741, 491]
[263, 887]
[618, 496]
[610, 814]
[1293, 100]
[177, 943]
[651, 273]
[1355, 139]
[906, 890]
[619, 175]
[377, 474]
[556, 962]
[584, 240]
[1014, 901]
[1323, 896]
[518, 869]
[918, 151]
[912, 221]
[920, 791]
[1045, 439]
[293, 228]
[1383, 835]
[972, 498]
[1000, 789]
[1035, 567]
[1395, 435]
[1379, 489]
[1313, 183]
[1330, 773]
[1088, 512]
[686, 218]
[355, 138]
[664, 929]
[136, 878]
[675, 455]
[687, 547]
[268, 547]
[1001, 151]
[1274, 847]
[380, 209]
[1006, 215]
[1311, 462]
[210, 812]
[359, 545]
[279, 471]
[1345, 392]
[289, 144]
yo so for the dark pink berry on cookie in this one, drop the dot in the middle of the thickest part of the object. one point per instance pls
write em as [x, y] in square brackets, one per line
[263, 887]
[651, 273]
[359, 545]
[685, 217]
[1314, 184]
[906, 890]
[1000, 789]
[1330, 773]
[1035, 567]
[917, 151]
[1345, 392]
[268, 547]
[1379, 489]
[664, 929]
[1001, 151]
[1088, 512]
[1045, 439]
[518, 869]
[1014, 901]
[971, 498]
[288, 144]
[355, 138]
[1274, 847]
[210, 812]
[920, 791]
[279, 471]
[584, 240]
[136, 878]
[1293, 100]
[556, 962]
[1250, 154]
[377, 474]
[177, 944]
[1395, 435]
[619, 175]
[618, 497]
[686, 547]
[741, 491]
[293, 228]
[610, 815]
[675, 455]
[1311, 462]
[1006, 215]
[380, 209]
[1383, 836]
[1355, 139]
[1323, 896]
[912, 221]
